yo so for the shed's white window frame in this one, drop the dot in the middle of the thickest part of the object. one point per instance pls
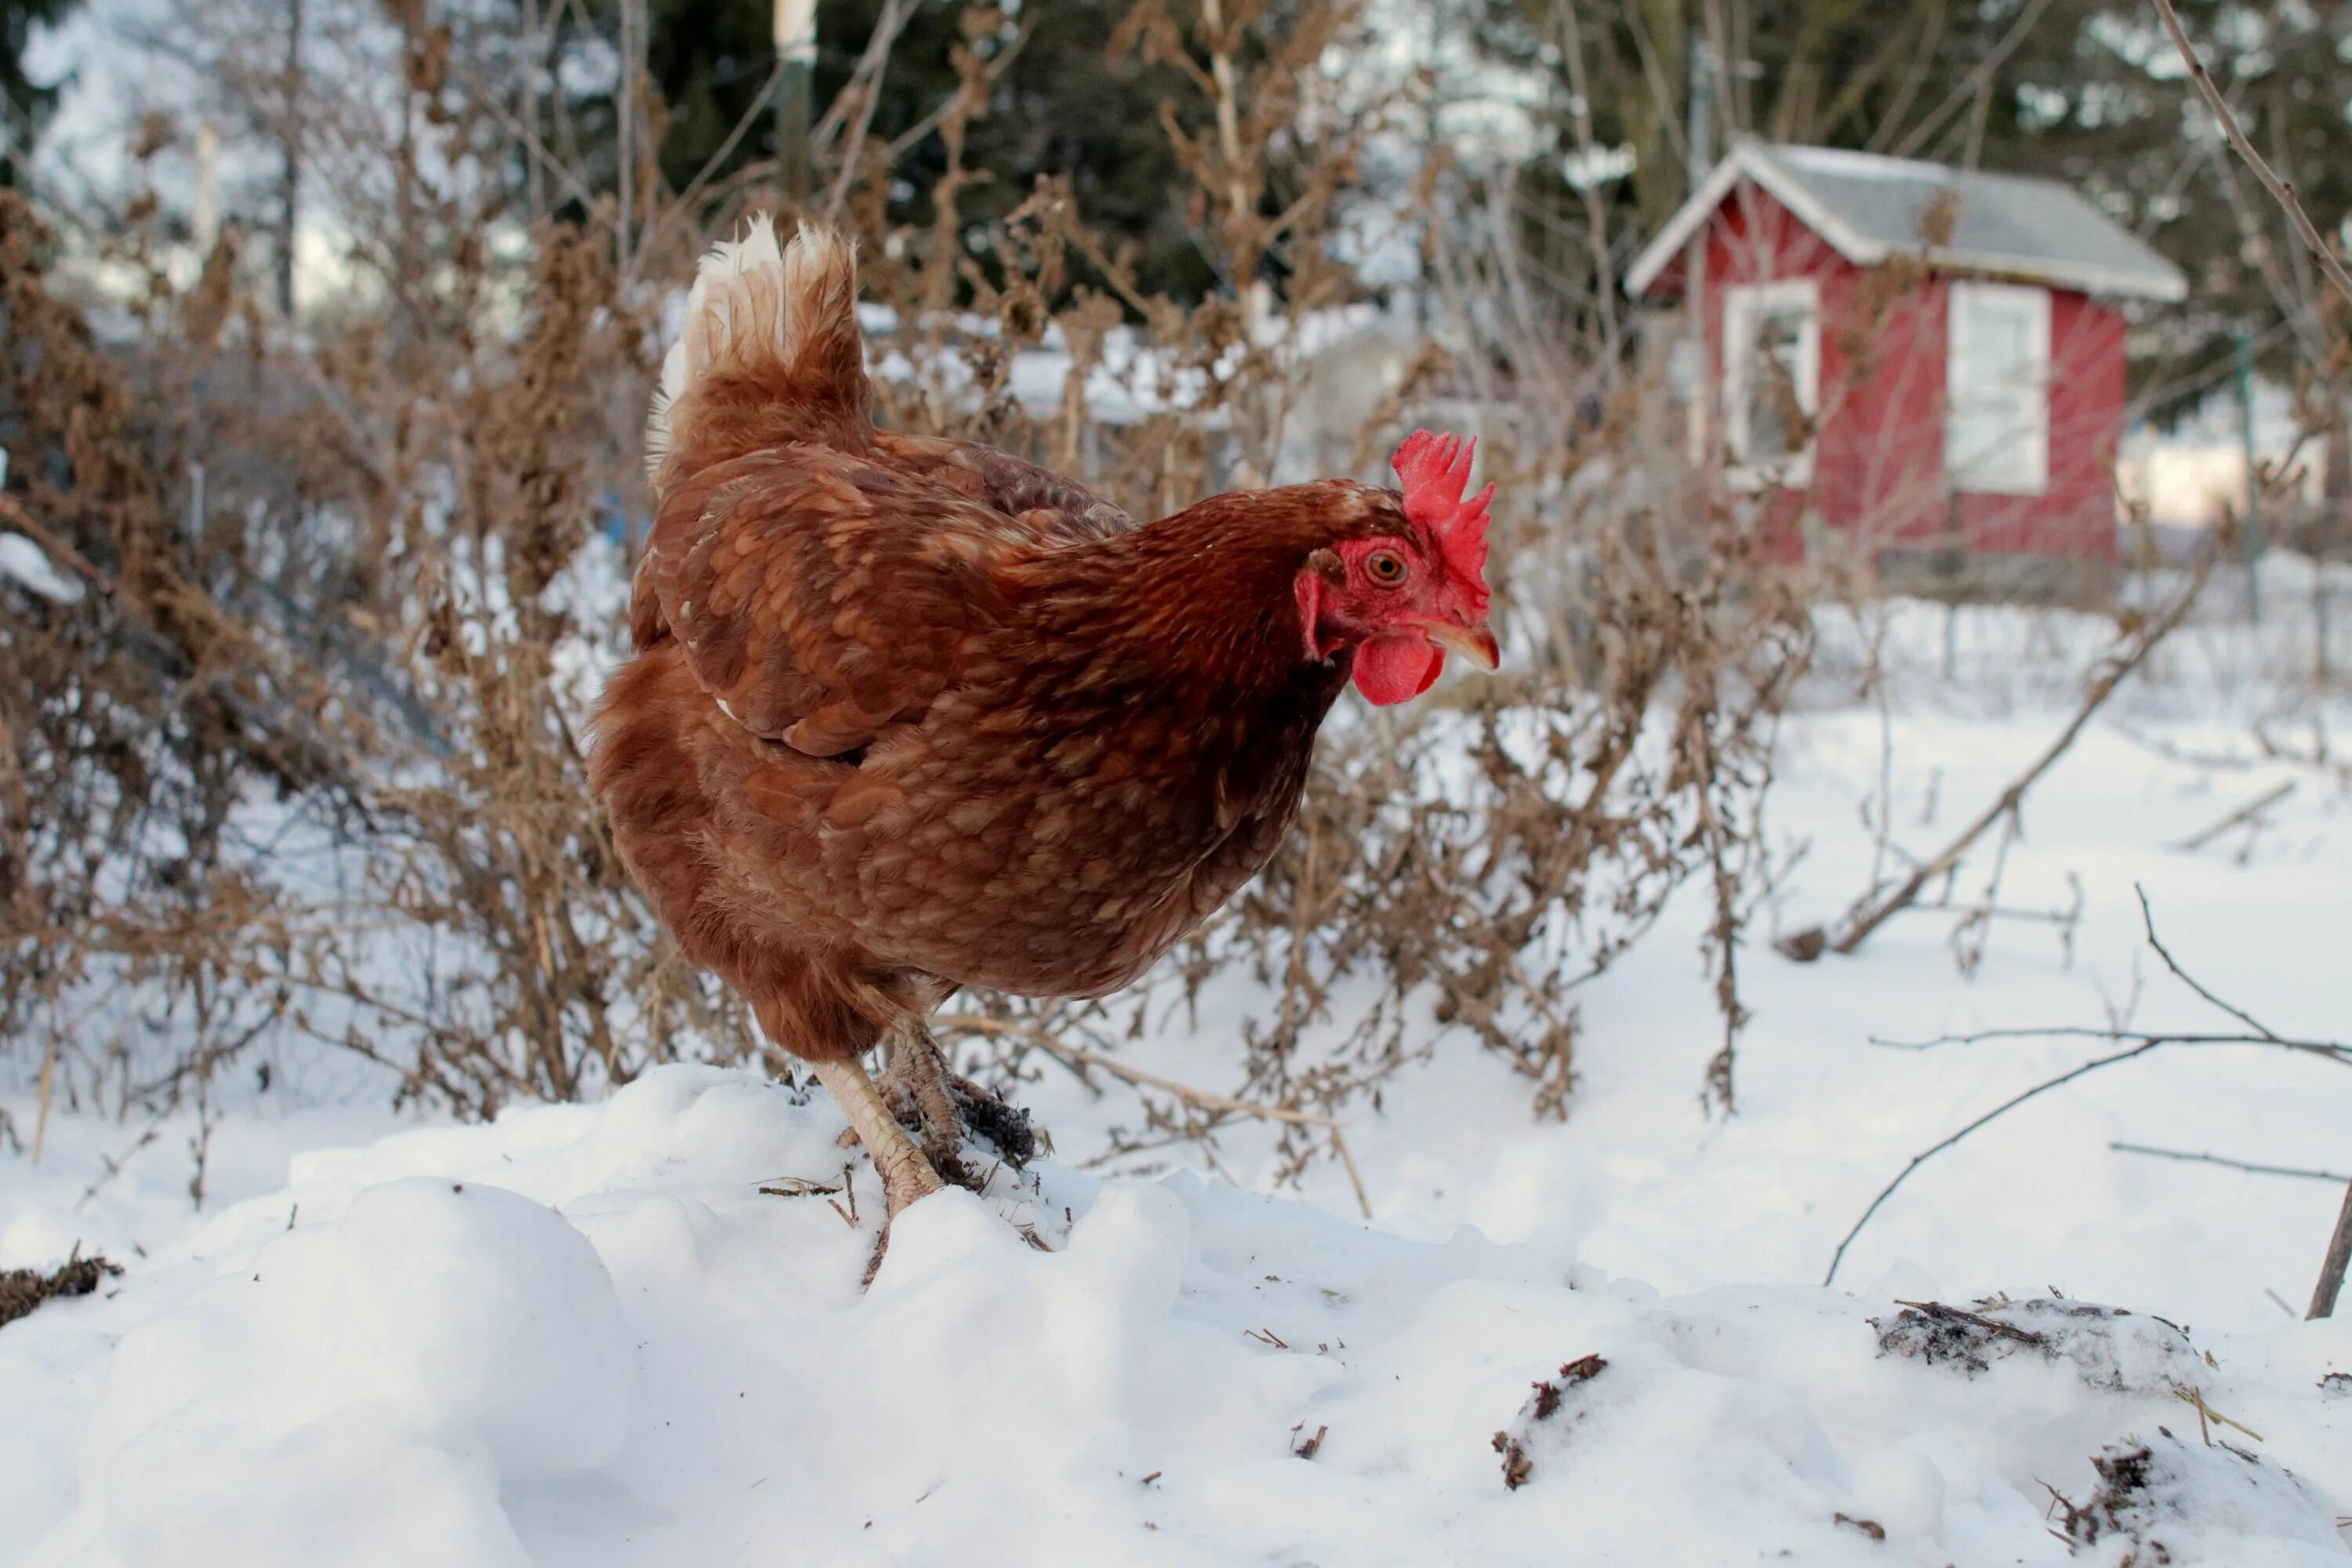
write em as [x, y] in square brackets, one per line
[1997, 420]
[1742, 304]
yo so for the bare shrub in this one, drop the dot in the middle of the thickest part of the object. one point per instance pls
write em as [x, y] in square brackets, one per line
[313, 731]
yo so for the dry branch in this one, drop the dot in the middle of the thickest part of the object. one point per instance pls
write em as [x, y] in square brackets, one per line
[1995, 1114]
[2250, 1166]
[2280, 189]
[2331, 1269]
[427, 500]
[1200, 1099]
[2248, 812]
[1876, 907]
[2142, 1043]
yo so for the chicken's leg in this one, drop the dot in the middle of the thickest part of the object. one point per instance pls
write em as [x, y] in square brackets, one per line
[906, 1174]
[922, 1086]
[916, 1061]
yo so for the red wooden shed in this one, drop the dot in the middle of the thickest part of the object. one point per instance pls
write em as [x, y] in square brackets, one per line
[1921, 359]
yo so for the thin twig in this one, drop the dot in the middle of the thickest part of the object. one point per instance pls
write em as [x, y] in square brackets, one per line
[534, 150]
[683, 203]
[2004, 1108]
[2195, 1397]
[1972, 87]
[1943, 1313]
[2328, 1049]
[2244, 813]
[2281, 190]
[1596, 208]
[2224, 1161]
[2143, 1045]
[867, 81]
[2147, 922]
[913, 135]
[114, 1166]
[1200, 1098]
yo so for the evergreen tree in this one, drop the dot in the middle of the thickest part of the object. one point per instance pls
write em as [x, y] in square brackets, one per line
[1061, 106]
[25, 105]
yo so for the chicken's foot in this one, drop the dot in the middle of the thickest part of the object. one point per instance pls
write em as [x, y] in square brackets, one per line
[917, 1063]
[920, 1087]
[906, 1174]
[928, 1094]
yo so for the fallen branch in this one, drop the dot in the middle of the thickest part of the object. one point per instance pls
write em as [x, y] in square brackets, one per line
[2318, 756]
[2172, 752]
[1874, 909]
[23, 1289]
[1941, 1313]
[1200, 1099]
[2244, 813]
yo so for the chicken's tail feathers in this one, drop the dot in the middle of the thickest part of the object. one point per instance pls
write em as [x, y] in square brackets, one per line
[771, 352]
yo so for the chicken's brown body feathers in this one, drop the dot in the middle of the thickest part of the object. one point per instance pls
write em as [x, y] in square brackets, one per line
[908, 715]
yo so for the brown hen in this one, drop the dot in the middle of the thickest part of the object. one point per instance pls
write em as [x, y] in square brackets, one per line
[909, 714]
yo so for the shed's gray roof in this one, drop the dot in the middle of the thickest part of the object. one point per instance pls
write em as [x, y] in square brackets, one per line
[1871, 207]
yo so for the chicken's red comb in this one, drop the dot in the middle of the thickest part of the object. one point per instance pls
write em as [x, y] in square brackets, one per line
[1434, 470]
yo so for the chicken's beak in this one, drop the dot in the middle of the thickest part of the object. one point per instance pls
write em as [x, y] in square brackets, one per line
[1476, 644]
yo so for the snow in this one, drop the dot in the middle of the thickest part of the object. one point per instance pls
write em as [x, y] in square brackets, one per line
[24, 561]
[586, 1335]
[452, 1338]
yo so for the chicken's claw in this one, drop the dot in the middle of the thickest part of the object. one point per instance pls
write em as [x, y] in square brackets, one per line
[941, 1106]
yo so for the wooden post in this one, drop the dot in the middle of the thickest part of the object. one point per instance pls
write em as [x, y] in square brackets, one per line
[290, 174]
[795, 35]
[624, 105]
[2319, 672]
[1706, 376]
[2331, 1271]
[1951, 565]
[2253, 477]
[204, 212]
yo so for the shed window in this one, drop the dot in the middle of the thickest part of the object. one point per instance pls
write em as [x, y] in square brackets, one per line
[1772, 379]
[1997, 389]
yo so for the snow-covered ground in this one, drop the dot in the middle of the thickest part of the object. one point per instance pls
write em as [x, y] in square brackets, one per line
[584, 1335]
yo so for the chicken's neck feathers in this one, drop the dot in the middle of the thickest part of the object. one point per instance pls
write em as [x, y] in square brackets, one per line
[1197, 608]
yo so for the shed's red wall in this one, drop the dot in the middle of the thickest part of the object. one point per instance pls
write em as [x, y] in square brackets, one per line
[1878, 457]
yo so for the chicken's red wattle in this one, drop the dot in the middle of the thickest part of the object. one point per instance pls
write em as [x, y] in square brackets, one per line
[1389, 670]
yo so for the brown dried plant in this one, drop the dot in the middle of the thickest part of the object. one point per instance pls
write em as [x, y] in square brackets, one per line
[304, 762]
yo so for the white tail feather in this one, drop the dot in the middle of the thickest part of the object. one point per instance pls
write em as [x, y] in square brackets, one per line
[735, 318]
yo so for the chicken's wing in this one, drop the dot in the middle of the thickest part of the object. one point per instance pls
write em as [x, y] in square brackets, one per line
[822, 596]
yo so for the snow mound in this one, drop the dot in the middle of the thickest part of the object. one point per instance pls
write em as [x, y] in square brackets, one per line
[586, 1335]
[372, 1379]
[2108, 1347]
[2172, 1500]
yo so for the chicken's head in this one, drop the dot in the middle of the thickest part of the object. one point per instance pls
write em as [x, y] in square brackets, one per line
[1412, 587]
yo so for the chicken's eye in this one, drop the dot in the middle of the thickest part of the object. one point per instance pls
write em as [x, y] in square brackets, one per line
[1385, 567]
